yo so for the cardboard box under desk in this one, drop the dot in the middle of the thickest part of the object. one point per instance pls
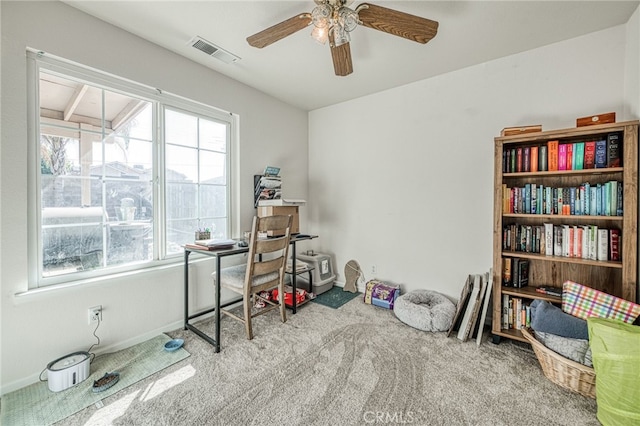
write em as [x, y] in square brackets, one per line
[264, 211]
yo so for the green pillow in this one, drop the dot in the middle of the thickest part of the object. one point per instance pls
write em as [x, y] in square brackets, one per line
[615, 348]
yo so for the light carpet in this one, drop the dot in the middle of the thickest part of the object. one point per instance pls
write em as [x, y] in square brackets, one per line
[37, 405]
[355, 365]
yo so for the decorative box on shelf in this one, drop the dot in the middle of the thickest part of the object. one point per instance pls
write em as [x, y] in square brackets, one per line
[510, 131]
[608, 117]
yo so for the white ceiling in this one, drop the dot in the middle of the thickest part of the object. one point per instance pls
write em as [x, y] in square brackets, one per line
[299, 71]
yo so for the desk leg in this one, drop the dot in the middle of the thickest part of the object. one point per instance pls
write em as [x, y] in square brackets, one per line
[186, 288]
[293, 276]
[218, 272]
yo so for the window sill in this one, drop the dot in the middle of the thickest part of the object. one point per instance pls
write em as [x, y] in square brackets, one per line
[52, 289]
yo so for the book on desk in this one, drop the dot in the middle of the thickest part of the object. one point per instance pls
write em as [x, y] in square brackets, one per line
[211, 244]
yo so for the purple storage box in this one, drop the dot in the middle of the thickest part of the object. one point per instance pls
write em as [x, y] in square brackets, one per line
[380, 294]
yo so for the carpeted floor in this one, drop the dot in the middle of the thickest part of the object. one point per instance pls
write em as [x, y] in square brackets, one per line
[354, 365]
[37, 405]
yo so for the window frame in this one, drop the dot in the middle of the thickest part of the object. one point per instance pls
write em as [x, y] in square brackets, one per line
[38, 61]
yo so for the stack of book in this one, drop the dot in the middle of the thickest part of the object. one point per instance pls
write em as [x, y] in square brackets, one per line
[559, 155]
[516, 313]
[471, 311]
[211, 244]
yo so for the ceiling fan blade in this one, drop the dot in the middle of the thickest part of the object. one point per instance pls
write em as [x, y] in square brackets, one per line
[279, 31]
[397, 23]
[341, 56]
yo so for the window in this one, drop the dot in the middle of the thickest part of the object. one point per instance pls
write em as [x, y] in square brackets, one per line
[125, 174]
[196, 180]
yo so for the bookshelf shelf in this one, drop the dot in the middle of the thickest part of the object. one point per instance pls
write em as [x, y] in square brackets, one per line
[574, 260]
[581, 218]
[531, 293]
[617, 277]
[584, 172]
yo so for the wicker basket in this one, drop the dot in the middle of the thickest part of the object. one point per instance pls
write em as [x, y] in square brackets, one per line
[562, 371]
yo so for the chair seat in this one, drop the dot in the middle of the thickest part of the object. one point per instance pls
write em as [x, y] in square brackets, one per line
[233, 276]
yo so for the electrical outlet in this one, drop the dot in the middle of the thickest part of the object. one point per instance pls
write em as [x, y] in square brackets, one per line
[95, 314]
[374, 270]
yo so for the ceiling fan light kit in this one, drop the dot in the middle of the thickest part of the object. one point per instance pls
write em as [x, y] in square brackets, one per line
[333, 20]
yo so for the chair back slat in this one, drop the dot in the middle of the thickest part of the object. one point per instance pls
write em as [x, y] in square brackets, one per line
[267, 266]
[270, 245]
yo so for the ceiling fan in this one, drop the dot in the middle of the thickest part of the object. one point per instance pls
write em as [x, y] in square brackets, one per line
[333, 20]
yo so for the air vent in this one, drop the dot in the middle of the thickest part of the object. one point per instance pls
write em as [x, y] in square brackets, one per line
[213, 50]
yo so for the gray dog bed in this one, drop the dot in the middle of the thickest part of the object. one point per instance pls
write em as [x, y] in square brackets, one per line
[425, 310]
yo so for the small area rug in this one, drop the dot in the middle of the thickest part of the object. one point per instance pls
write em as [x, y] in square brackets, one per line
[37, 405]
[335, 297]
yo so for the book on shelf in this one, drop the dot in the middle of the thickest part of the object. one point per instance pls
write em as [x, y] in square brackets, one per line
[590, 155]
[562, 156]
[578, 148]
[519, 159]
[550, 290]
[534, 159]
[542, 158]
[548, 236]
[614, 148]
[552, 150]
[601, 154]
[603, 244]
[506, 271]
[614, 245]
[520, 273]
[571, 156]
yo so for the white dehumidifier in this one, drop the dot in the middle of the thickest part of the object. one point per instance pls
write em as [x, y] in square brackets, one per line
[68, 371]
[322, 274]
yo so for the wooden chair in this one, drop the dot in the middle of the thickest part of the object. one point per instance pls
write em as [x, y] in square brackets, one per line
[265, 269]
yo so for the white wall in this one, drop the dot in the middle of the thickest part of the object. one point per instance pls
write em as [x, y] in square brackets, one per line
[403, 179]
[39, 328]
[632, 66]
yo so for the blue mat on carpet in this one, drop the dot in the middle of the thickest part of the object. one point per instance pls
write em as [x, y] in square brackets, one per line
[335, 297]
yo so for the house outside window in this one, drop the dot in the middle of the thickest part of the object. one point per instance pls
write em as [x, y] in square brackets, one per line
[125, 174]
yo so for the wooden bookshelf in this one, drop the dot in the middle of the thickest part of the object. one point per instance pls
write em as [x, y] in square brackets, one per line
[614, 277]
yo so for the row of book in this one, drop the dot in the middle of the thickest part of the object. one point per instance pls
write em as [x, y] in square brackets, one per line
[602, 199]
[515, 272]
[578, 241]
[472, 308]
[603, 152]
[516, 313]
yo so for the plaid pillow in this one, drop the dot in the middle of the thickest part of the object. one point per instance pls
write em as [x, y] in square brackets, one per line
[584, 302]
